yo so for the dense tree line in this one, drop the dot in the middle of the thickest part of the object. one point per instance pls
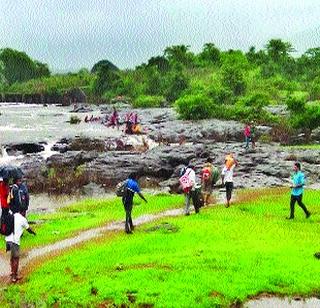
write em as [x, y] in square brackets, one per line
[213, 83]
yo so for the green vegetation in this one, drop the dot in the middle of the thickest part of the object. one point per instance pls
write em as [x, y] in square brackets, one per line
[219, 257]
[89, 214]
[211, 84]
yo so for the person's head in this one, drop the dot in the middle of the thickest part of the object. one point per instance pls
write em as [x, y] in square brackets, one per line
[297, 166]
[133, 176]
[209, 160]
[18, 180]
[191, 166]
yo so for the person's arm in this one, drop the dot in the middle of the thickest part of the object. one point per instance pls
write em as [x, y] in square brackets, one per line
[300, 182]
[142, 197]
[31, 231]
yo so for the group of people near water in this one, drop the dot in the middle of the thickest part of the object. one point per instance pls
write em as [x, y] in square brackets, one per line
[130, 120]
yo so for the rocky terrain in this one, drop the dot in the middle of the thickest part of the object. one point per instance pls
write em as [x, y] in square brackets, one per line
[159, 154]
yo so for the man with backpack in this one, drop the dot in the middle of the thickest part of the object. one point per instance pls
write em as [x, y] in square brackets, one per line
[13, 242]
[131, 187]
[188, 183]
[19, 197]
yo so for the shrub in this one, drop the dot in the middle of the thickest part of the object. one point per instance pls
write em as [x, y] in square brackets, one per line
[74, 120]
[148, 101]
[194, 107]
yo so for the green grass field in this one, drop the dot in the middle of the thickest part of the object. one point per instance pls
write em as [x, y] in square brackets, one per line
[88, 214]
[303, 147]
[219, 257]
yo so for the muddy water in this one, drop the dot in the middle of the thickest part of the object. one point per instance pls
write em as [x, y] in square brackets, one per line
[274, 302]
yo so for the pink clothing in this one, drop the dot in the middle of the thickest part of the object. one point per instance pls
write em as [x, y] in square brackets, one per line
[247, 131]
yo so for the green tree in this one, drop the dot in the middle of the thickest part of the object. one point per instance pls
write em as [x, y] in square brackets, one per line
[18, 66]
[278, 50]
[106, 80]
[160, 62]
[176, 84]
[180, 54]
[105, 64]
[210, 54]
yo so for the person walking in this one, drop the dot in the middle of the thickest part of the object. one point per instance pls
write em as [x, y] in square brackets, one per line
[13, 243]
[131, 187]
[227, 178]
[188, 183]
[206, 181]
[298, 182]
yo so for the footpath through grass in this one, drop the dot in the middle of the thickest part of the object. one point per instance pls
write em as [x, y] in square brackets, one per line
[88, 214]
[219, 257]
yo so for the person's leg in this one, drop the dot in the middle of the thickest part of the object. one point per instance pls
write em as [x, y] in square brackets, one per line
[247, 142]
[301, 204]
[292, 203]
[15, 253]
[229, 187]
[130, 218]
[187, 201]
[195, 201]
[127, 224]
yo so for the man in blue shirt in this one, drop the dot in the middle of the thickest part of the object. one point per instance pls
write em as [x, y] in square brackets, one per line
[297, 190]
[131, 187]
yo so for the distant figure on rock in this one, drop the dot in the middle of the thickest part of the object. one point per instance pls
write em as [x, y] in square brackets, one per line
[13, 243]
[114, 119]
[298, 182]
[227, 176]
[248, 136]
[131, 187]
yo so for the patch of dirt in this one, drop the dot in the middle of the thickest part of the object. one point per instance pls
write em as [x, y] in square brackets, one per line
[164, 227]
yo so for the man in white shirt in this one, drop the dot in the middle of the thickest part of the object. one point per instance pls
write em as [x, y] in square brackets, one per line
[189, 194]
[13, 243]
[227, 180]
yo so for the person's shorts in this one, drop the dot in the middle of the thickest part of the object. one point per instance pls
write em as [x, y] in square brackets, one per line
[229, 188]
[14, 249]
[207, 187]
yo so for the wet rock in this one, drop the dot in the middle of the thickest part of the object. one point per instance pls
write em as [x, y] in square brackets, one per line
[92, 189]
[24, 148]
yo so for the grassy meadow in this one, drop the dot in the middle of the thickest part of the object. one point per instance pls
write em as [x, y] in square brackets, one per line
[90, 213]
[218, 258]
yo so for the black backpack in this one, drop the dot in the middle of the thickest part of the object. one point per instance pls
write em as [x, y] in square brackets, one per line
[7, 224]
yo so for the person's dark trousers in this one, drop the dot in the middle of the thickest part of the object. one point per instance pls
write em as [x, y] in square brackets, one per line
[129, 225]
[195, 200]
[293, 201]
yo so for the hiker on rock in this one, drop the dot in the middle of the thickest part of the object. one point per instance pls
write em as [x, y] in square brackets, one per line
[247, 135]
[206, 181]
[114, 119]
[131, 187]
[4, 193]
[19, 197]
[13, 243]
[298, 182]
[227, 176]
[188, 183]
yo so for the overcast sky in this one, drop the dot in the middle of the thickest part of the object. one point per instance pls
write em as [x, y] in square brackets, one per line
[71, 34]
